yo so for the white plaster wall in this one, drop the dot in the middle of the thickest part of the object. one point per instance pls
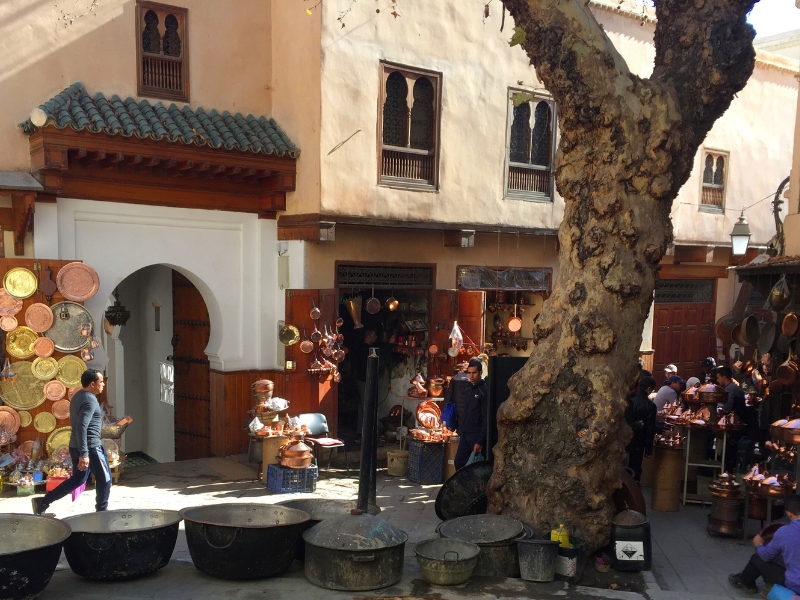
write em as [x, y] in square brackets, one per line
[220, 252]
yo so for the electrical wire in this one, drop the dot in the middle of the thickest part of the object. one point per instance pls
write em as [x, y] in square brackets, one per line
[725, 210]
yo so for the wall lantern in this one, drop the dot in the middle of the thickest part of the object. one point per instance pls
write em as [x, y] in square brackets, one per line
[740, 236]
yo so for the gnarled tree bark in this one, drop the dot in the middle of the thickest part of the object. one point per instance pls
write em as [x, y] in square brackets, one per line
[627, 146]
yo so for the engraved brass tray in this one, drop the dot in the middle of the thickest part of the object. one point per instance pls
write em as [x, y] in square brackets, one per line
[59, 437]
[44, 368]
[70, 369]
[26, 391]
[44, 422]
[25, 418]
[66, 329]
[20, 283]
[19, 343]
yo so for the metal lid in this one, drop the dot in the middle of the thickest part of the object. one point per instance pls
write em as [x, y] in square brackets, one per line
[629, 518]
[355, 532]
[482, 529]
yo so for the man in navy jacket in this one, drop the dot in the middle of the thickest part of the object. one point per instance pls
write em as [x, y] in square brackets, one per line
[472, 430]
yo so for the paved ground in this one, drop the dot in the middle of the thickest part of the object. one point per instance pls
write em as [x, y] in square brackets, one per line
[687, 562]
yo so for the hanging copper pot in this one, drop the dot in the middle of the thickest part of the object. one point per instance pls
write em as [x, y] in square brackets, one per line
[392, 303]
[789, 325]
[315, 312]
[514, 323]
[433, 349]
[354, 308]
[787, 372]
[316, 335]
[306, 346]
[373, 306]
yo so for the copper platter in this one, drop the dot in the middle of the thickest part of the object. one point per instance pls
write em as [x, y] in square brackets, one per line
[61, 409]
[9, 419]
[8, 304]
[25, 392]
[8, 323]
[20, 283]
[77, 281]
[55, 390]
[39, 317]
[19, 343]
[66, 330]
[43, 347]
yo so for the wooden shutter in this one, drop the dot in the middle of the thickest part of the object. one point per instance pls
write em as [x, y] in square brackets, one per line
[445, 309]
[471, 315]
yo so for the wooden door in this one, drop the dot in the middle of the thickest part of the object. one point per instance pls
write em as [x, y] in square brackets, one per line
[308, 393]
[472, 315]
[445, 309]
[191, 329]
[684, 335]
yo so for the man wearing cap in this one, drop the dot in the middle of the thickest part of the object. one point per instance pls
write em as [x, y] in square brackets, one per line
[668, 393]
[707, 365]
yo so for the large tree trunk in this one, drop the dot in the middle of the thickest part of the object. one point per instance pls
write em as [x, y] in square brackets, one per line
[627, 146]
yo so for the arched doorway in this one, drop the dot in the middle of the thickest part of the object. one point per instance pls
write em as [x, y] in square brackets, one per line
[159, 368]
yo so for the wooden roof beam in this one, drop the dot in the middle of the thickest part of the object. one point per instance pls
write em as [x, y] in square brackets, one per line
[22, 207]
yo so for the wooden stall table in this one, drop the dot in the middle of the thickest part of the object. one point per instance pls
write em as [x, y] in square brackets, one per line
[667, 467]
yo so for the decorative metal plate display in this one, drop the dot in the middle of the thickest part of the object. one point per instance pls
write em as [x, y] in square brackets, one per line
[44, 368]
[25, 392]
[55, 390]
[77, 281]
[61, 409]
[66, 329]
[25, 418]
[19, 343]
[8, 323]
[9, 419]
[70, 369]
[44, 422]
[43, 347]
[59, 437]
[39, 317]
[8, 304]
[20, 283]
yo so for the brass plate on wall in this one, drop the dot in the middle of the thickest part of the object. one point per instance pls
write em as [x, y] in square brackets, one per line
[20, 283]
[19, 343]
[26, 392]
[68, 319]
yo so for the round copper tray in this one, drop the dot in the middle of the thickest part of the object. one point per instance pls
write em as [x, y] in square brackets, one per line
[44, 422]
[43, 347]
[66, 329]
[20, 283]
[39, 317]
[25, 418]
[55, 390]
[26, 392]
[44, 368]
[8, 304]
[9, 419]
[61, 409]
[8, 323]
[77, 281]
[19, 343]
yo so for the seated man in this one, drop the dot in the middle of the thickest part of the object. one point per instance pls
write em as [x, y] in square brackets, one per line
[786, 544]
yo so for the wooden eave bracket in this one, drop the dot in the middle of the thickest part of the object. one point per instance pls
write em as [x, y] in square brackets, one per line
[310, 227]
[22, 208]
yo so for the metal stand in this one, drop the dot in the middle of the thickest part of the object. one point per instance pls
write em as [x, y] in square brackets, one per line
[714, 464]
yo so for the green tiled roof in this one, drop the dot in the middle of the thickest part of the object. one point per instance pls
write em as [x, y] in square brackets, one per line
[75, 108]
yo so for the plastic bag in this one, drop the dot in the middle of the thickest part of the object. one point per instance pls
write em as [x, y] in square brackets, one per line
[780, 296]
[456, 339]
[255, 425]
[450, 416]
[475, 457]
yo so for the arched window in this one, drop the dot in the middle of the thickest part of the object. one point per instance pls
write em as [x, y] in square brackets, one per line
[521, 133]
[395, 111]
[151, 39]
[708, 172]
[422, 115]
[542, 136]
[719, 172]
[172, 41]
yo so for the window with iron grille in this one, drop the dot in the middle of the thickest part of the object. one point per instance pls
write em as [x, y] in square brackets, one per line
[684, 291]
[409, 127]
[531, 148]
[395, 277]
[162, 51]
[715, 171]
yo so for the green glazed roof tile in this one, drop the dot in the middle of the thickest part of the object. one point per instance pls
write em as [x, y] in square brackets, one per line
[75, 108]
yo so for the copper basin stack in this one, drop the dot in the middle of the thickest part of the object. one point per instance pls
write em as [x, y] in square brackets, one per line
[295, 454]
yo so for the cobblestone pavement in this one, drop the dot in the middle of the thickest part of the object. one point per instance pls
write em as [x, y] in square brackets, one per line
[686, 564]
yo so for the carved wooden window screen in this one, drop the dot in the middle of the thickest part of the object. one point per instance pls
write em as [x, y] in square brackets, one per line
[531, 149]
[162, 51]
[408, 132]
[384, 276]
[715, 172]
[683, 291]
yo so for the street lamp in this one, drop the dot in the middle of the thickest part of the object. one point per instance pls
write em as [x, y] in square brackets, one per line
[740, 236]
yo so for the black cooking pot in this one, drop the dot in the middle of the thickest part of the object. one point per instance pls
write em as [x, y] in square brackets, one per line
[121, 544]
[29, 550]
[354, 553]
[243, 541]
[321, 509]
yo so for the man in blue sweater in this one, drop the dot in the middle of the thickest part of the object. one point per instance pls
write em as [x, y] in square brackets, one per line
[473, 430]
[786, 544]
[87, 453]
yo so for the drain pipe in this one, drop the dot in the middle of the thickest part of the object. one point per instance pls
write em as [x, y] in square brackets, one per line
[367, 479]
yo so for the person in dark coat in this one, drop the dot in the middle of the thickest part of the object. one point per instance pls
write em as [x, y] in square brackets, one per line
[641, 417]
[472, 429]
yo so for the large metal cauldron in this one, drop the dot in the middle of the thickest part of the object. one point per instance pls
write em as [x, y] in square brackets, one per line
[354, 553]
[121, 544]
[321, 509]
[29, 550]
[243, 541]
